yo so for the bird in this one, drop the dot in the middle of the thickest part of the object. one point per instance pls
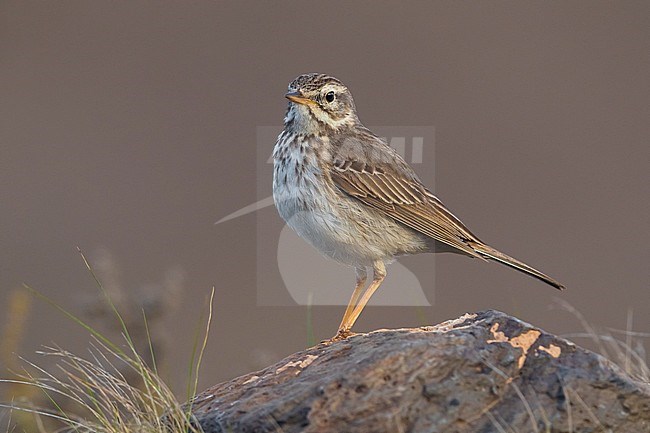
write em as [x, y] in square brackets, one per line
[350, 195]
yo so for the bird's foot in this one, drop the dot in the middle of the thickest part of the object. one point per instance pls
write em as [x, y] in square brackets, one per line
[342, 335]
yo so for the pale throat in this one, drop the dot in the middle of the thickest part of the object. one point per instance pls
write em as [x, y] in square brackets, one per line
[309, 120]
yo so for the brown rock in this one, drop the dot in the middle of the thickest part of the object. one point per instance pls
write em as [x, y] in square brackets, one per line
[484, 372]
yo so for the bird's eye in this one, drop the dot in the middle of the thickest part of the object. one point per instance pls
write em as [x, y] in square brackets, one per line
[329, 97]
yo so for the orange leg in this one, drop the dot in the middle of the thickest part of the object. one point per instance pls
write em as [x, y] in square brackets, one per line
[379, 273]
[361, 281]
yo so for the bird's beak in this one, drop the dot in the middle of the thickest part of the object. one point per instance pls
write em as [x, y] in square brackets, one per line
[297, 97]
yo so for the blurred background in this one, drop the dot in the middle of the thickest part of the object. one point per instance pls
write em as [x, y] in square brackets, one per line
[128, 128]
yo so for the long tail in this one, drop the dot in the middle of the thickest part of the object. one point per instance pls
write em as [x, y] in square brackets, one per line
[505, 259]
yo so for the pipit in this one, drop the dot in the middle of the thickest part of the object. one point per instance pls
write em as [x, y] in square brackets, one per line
[354, 198]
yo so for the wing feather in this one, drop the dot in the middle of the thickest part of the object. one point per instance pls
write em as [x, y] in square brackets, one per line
[402, 197]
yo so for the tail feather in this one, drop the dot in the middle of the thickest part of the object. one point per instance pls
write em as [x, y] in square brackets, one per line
[505, 259]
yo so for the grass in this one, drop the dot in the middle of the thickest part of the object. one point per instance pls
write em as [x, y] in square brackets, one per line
[92, 393]
[623, 347]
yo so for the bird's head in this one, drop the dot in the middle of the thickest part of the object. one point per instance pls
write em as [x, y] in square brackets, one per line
[319, 103]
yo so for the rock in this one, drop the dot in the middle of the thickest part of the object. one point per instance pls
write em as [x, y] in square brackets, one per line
[484, 372]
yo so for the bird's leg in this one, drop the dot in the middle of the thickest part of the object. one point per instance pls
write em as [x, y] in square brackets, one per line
[361, 275]
[379, 273]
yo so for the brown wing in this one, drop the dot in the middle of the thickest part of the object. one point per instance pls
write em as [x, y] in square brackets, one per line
[393, 188]
[366, 168]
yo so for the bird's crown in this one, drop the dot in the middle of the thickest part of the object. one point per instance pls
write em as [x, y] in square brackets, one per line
[312, 81]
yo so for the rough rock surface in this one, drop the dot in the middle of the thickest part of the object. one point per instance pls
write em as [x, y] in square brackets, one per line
[484, 372]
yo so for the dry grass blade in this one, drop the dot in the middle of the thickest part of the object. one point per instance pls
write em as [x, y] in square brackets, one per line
[522, 398]
[92, 393]
[629, 354]
[105, 401]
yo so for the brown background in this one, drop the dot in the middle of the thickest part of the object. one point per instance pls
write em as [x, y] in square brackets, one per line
[131, 126]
